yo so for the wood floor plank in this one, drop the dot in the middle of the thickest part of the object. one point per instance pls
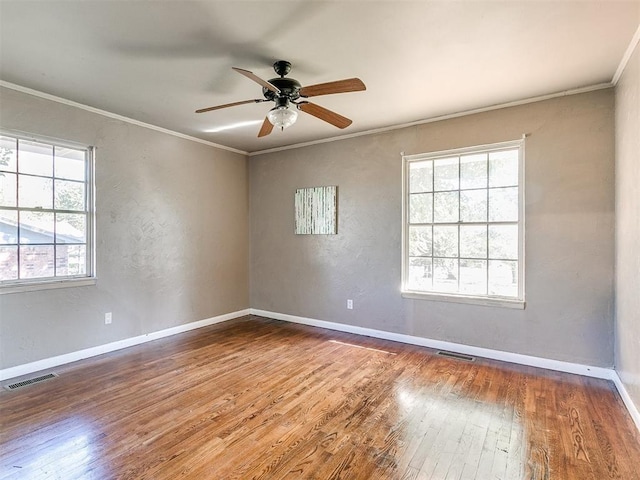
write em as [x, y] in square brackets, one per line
[256, 398]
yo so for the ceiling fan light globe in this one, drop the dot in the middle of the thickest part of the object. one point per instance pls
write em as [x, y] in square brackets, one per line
[282, 117]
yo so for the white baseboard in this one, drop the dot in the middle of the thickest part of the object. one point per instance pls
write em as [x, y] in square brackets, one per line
[549, 364]
[626, 398]
[52, 362]
[575, 368]
[546, 363]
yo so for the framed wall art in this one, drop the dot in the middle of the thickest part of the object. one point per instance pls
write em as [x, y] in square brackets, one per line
[316, 211]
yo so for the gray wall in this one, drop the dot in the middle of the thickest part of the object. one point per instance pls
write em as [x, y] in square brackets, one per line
[569, 232]
[172, 236]
[628, 227]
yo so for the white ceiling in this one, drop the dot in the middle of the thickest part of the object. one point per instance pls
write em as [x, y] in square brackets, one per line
[158, 61]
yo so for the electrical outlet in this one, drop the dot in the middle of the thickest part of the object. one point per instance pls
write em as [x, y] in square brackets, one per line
[107, 318]
[350, 304]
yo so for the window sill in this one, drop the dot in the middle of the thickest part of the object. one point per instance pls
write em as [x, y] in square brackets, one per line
[483, 301]
[47, 285]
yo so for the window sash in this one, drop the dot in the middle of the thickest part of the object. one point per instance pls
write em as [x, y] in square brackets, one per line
[56, 244]
[410, 290]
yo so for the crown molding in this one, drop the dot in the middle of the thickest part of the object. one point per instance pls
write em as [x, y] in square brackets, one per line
[627, 55]
[464, 113]
[575, 91]
[104, 113]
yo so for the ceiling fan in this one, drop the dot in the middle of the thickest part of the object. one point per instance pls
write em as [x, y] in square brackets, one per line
[286, 92]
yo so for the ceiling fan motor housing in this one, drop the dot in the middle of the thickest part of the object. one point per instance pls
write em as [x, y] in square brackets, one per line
[289, 88]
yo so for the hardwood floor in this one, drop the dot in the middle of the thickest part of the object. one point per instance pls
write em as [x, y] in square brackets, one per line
[261, 399]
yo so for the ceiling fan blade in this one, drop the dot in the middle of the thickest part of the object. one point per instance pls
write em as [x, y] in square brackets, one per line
[266, 128]
[257, 79]
[218, 107]
[339, 86]
[323, 114]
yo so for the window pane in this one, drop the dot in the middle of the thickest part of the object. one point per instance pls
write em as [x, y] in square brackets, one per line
[36, 261]
[462, 222]
[8, 262]
[503, 168]
[69, 163]
[39, 184]
[35, 192]
[8, 147]
[8, 189]
[8, 226]
[503, 242]
[69, 195]
[446, 207]
[36, 227]
[445, 174]
[420, 273]
[35, 158]
[473, 277]
[473, 171]
[70, 228]
[420, 241]
[503, 204]
[445, 241]
[445, 275]
[421, 176]
[71, 260]
[503, 278]
[473, 206]
[421, 208]
[473, 241]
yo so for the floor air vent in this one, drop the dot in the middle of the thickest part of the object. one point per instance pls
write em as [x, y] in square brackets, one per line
[459, 356]
[30, 381]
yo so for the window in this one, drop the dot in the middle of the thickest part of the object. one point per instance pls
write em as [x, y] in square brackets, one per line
[46, 197]
[463, 227]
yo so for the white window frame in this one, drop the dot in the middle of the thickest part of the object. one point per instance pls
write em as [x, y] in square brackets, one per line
[486, 300]
[89, 277]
